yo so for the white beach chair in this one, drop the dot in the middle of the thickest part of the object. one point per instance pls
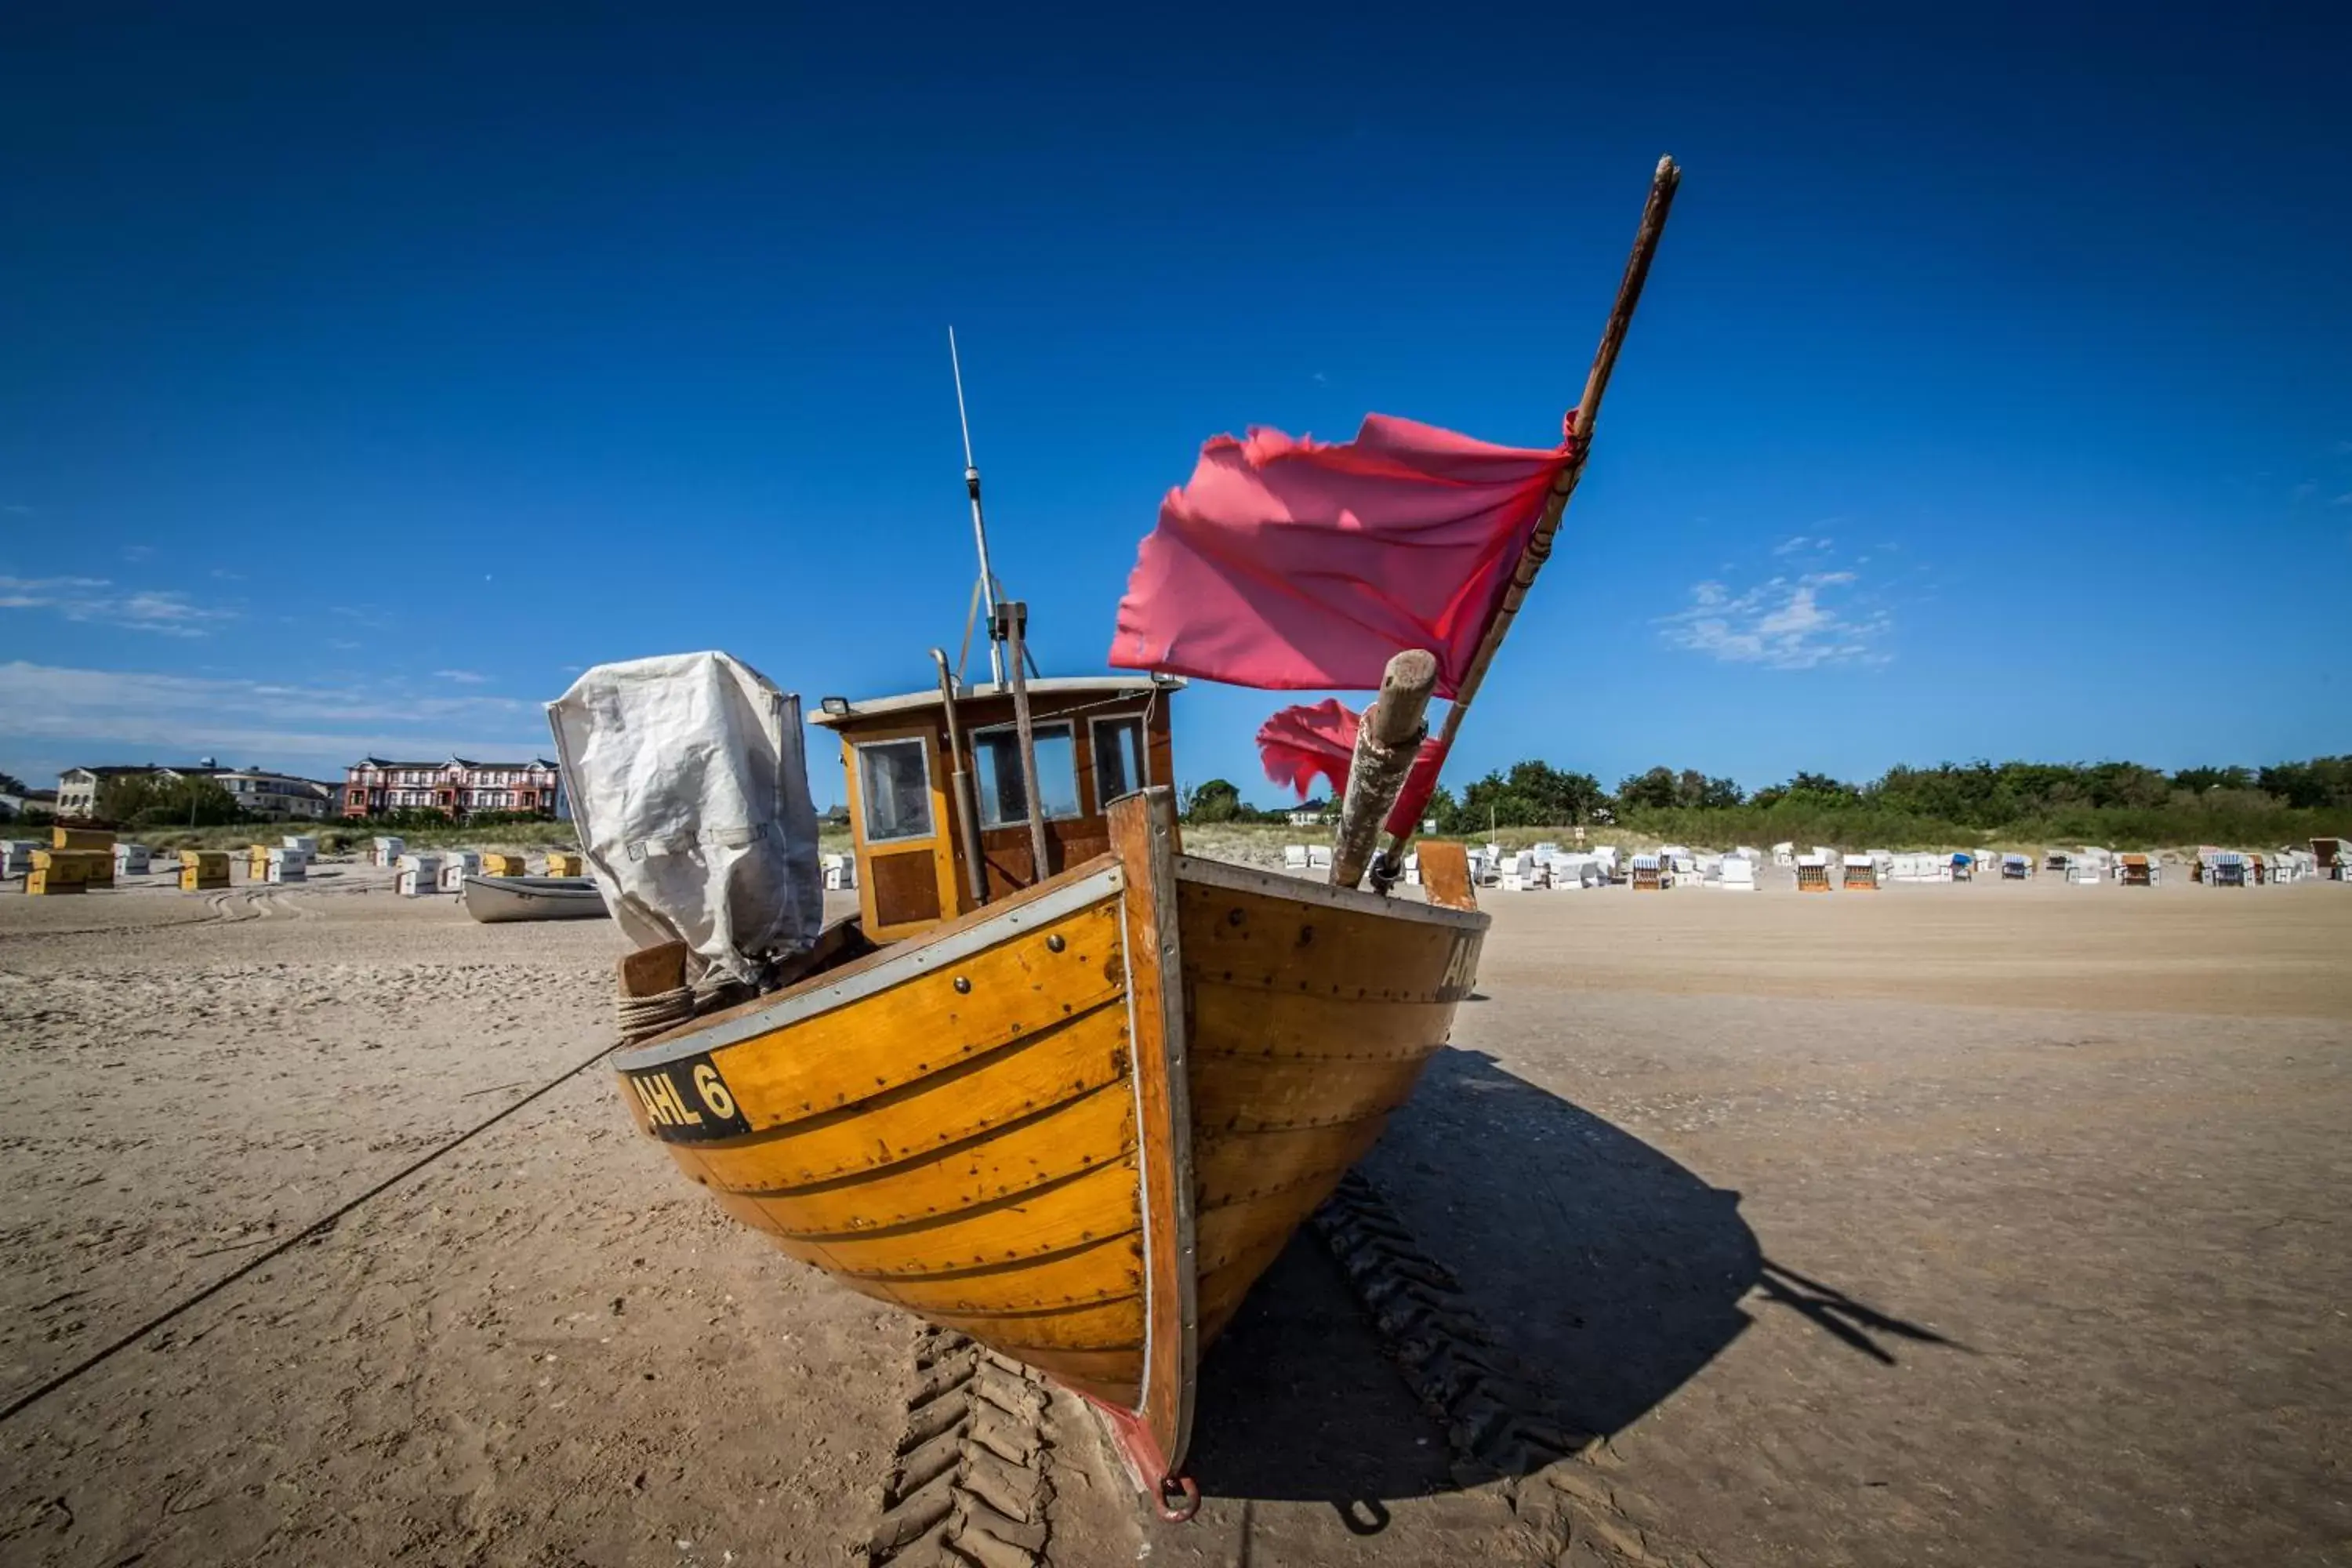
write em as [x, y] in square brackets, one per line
[1294, 857]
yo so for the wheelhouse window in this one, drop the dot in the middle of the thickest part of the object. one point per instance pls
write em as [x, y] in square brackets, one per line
[1118, 759]
[1004, 800]
[894, 785]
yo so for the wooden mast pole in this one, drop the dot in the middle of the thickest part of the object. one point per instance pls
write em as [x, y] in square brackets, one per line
[960, 800]
[1012, 628]
[1663, 186]
[1387, 740]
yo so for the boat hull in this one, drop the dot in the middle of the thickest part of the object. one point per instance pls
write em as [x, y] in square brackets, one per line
[1079, 1124]
[495, 900]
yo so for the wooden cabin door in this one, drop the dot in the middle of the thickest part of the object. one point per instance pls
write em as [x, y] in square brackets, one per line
[899, 811]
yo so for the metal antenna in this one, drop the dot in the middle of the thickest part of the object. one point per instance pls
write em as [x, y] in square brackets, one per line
[979, 525]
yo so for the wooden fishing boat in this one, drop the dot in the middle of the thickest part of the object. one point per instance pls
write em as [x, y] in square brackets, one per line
[1079, 1122]
[494, 900]
[1091, 1086]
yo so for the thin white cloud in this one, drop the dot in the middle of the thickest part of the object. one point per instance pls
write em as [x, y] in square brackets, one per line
[1783, 623]
[462, 677]
[114, 715]
[97, 599]
[16, 508]
[2344, 499]
[138, 551]
[1803, 545]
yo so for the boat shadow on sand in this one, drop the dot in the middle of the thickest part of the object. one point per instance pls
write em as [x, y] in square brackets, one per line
[1604, 1274]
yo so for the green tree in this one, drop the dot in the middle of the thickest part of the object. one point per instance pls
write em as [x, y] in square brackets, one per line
[152, 800]
[1218, 800]
[11, 784]
[2199, 780]
[1655, 789]
[2321, 783]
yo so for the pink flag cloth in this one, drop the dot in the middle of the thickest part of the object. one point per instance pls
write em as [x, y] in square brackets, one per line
[1297, 563]
[1305, 743]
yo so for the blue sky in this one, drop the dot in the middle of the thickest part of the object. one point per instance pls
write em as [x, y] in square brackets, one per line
[1992, 396]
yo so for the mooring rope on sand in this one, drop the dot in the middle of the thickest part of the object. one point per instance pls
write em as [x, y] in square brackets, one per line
[317, 1227]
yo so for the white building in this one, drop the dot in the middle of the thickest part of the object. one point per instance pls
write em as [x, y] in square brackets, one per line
[78, 788]
[277, 796]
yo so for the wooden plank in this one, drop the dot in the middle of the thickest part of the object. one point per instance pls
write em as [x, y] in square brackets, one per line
[1281, 944]
[882, 955]
[1445, 875]
[905, 887]
[943, 1108]
[820, 1065]
[1254, 1094]
[1237, 1232]
[1233, 1020]
[1144, 837]
[1103, 1271]
[1236, 1167]
[1088, 1208]
[1050, 1146]
[650, 971]
[1112, 1326]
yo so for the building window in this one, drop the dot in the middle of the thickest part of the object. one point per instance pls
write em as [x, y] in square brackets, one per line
[1120, 767]
[894, 784]
[996, 754]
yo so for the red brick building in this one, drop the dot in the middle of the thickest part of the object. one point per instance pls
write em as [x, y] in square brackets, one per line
[460, 787]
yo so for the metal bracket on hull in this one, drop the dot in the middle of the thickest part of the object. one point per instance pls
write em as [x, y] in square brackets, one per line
[1174, 1496]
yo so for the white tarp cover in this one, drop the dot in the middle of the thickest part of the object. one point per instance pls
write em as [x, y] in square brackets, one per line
[690, 787]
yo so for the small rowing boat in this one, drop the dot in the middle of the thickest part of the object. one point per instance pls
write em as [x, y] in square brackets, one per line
[493, 901]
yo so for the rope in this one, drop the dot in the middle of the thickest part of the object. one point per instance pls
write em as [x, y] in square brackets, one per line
[317, 1227]
[642, 1017]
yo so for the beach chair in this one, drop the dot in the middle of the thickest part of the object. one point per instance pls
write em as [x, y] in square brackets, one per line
[288, 866]
[1814, 873]
[1861, 873]
[1650, 875]
[1294, 858]
[1739, 875]
[456, 865]
[1318, 858]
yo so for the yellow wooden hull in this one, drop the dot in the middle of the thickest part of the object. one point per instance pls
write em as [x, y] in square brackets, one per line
[1079, 1123]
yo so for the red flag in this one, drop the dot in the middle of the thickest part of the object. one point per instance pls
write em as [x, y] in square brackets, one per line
[1299, 565]
[1303, 743]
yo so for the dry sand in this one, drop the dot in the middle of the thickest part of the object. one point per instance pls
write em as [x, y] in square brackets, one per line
[1969, 1223]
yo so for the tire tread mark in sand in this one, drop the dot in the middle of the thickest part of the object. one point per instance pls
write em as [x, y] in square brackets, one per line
[1495, 1421]
[968, 1481]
